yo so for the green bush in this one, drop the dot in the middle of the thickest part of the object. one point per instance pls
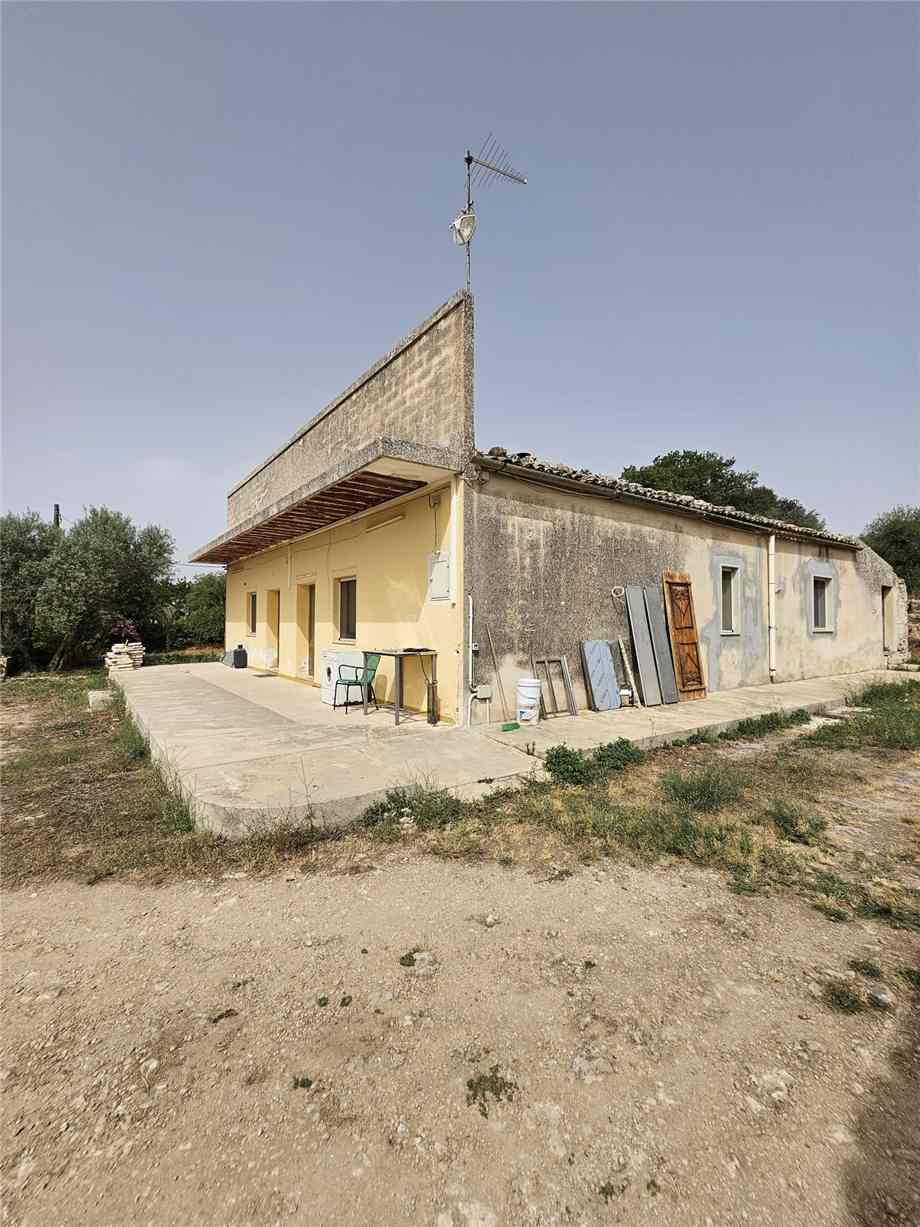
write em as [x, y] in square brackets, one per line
[890, 725]
[426, 807]
[568, 766]
[617, 755]
[761, 726]
[881, 694]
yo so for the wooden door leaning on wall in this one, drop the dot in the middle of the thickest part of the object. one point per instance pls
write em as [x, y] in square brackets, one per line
[685, 640]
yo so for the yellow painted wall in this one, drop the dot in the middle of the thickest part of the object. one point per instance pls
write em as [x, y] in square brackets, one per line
[390, 565]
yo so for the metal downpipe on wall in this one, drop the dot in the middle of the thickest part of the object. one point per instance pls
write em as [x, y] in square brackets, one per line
[469, 676]
[771, 605]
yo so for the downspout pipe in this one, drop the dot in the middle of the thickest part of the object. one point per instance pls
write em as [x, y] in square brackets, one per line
[771, 605]
[469, 675]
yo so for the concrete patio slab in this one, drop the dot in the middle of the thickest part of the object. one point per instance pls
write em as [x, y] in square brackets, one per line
[648, 727]
[249, 750]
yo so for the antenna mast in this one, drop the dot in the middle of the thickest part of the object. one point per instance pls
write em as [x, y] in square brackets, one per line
[491, 162]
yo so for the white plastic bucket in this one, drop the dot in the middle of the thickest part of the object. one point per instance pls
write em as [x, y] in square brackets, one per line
[528, 700]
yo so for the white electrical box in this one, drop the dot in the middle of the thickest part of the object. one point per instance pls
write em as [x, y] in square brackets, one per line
[329, 660]
[438, 577]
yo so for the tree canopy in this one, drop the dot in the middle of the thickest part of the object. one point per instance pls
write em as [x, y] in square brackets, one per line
[26, 544]
[197, 614]
[65, 592]
[896, 536]
[712, 477]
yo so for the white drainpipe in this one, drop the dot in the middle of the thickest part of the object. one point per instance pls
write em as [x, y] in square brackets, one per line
[469, 676]
[771, 605]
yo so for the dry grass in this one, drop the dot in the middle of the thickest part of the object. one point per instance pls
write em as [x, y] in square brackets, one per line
[83, 800]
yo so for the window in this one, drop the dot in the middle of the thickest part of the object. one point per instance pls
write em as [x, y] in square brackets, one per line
[821, 603]
[348, 608]
[251, 604]
[729, 602]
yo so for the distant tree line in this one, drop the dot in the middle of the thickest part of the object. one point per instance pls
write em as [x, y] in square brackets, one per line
[68, 594]
[714, 478]
[896, 536]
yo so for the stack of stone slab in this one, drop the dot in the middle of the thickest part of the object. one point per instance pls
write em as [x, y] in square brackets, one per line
[124, 656]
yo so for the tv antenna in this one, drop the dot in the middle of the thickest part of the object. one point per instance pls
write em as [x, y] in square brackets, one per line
[490, 163]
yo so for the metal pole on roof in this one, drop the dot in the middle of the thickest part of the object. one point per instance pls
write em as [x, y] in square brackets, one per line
[491, 162]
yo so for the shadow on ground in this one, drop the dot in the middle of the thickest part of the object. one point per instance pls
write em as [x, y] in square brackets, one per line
[883, 1179]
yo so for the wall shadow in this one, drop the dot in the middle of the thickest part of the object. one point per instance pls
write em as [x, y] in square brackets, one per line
[882, 1178]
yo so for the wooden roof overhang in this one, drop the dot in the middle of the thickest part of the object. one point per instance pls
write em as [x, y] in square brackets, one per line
[323, 503]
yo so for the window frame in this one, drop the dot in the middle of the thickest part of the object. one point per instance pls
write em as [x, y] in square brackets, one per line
[252, 613]
[734, 571]
[826, 627]
[341, 628]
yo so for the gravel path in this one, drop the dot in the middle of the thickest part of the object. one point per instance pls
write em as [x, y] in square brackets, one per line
[615, 1046]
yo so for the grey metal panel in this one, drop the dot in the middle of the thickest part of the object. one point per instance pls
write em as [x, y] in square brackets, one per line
[598, 662]
[642, 644]
[661, 644]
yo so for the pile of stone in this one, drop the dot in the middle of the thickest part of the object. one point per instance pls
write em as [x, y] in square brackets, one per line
[124, 656]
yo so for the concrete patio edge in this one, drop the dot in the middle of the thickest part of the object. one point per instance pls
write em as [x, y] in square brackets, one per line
[478, 759]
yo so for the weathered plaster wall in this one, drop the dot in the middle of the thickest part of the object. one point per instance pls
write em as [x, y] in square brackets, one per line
[422, 391]
[855, 639]
[541, 563]
[393, 609]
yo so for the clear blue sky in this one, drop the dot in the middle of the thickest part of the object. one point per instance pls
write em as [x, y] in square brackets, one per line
[217, 215]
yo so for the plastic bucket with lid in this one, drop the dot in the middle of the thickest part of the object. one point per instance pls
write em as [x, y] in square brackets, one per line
[528, 700]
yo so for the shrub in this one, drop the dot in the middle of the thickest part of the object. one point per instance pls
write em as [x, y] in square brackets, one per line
[426, 807]
[703, 791]
[617, 755]
[879, 694]
[891, 725]
[792, 824]
[568, 766]
[761, 726]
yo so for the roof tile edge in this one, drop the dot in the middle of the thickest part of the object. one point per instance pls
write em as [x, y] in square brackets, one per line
[499, 458]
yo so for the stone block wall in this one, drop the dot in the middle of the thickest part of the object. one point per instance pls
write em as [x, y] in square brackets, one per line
[913, 627]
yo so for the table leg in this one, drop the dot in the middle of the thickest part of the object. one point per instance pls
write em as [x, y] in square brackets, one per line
[434, 684]
[364, 685]
[399, 681]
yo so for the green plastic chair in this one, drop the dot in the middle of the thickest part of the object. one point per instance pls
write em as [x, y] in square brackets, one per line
[363, 679]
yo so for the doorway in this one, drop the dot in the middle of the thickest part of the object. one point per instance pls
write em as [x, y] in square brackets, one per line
[305, 637]
[887, 619]
[272, 627]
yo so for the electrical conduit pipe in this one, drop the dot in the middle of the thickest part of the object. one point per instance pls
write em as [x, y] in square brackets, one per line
[771, 605]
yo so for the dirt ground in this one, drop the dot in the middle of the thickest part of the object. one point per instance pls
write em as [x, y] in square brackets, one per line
[615, 1045]
[496, 1021]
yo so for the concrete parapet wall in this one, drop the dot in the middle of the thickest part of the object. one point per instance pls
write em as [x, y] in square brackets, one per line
[422, 391]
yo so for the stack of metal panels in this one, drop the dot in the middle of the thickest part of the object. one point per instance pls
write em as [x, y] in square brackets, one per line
[652, 646]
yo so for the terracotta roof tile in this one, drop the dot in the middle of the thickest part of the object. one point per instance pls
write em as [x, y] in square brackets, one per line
[697, 506]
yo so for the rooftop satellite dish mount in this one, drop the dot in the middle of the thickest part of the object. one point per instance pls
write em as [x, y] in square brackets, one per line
[490, 163]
